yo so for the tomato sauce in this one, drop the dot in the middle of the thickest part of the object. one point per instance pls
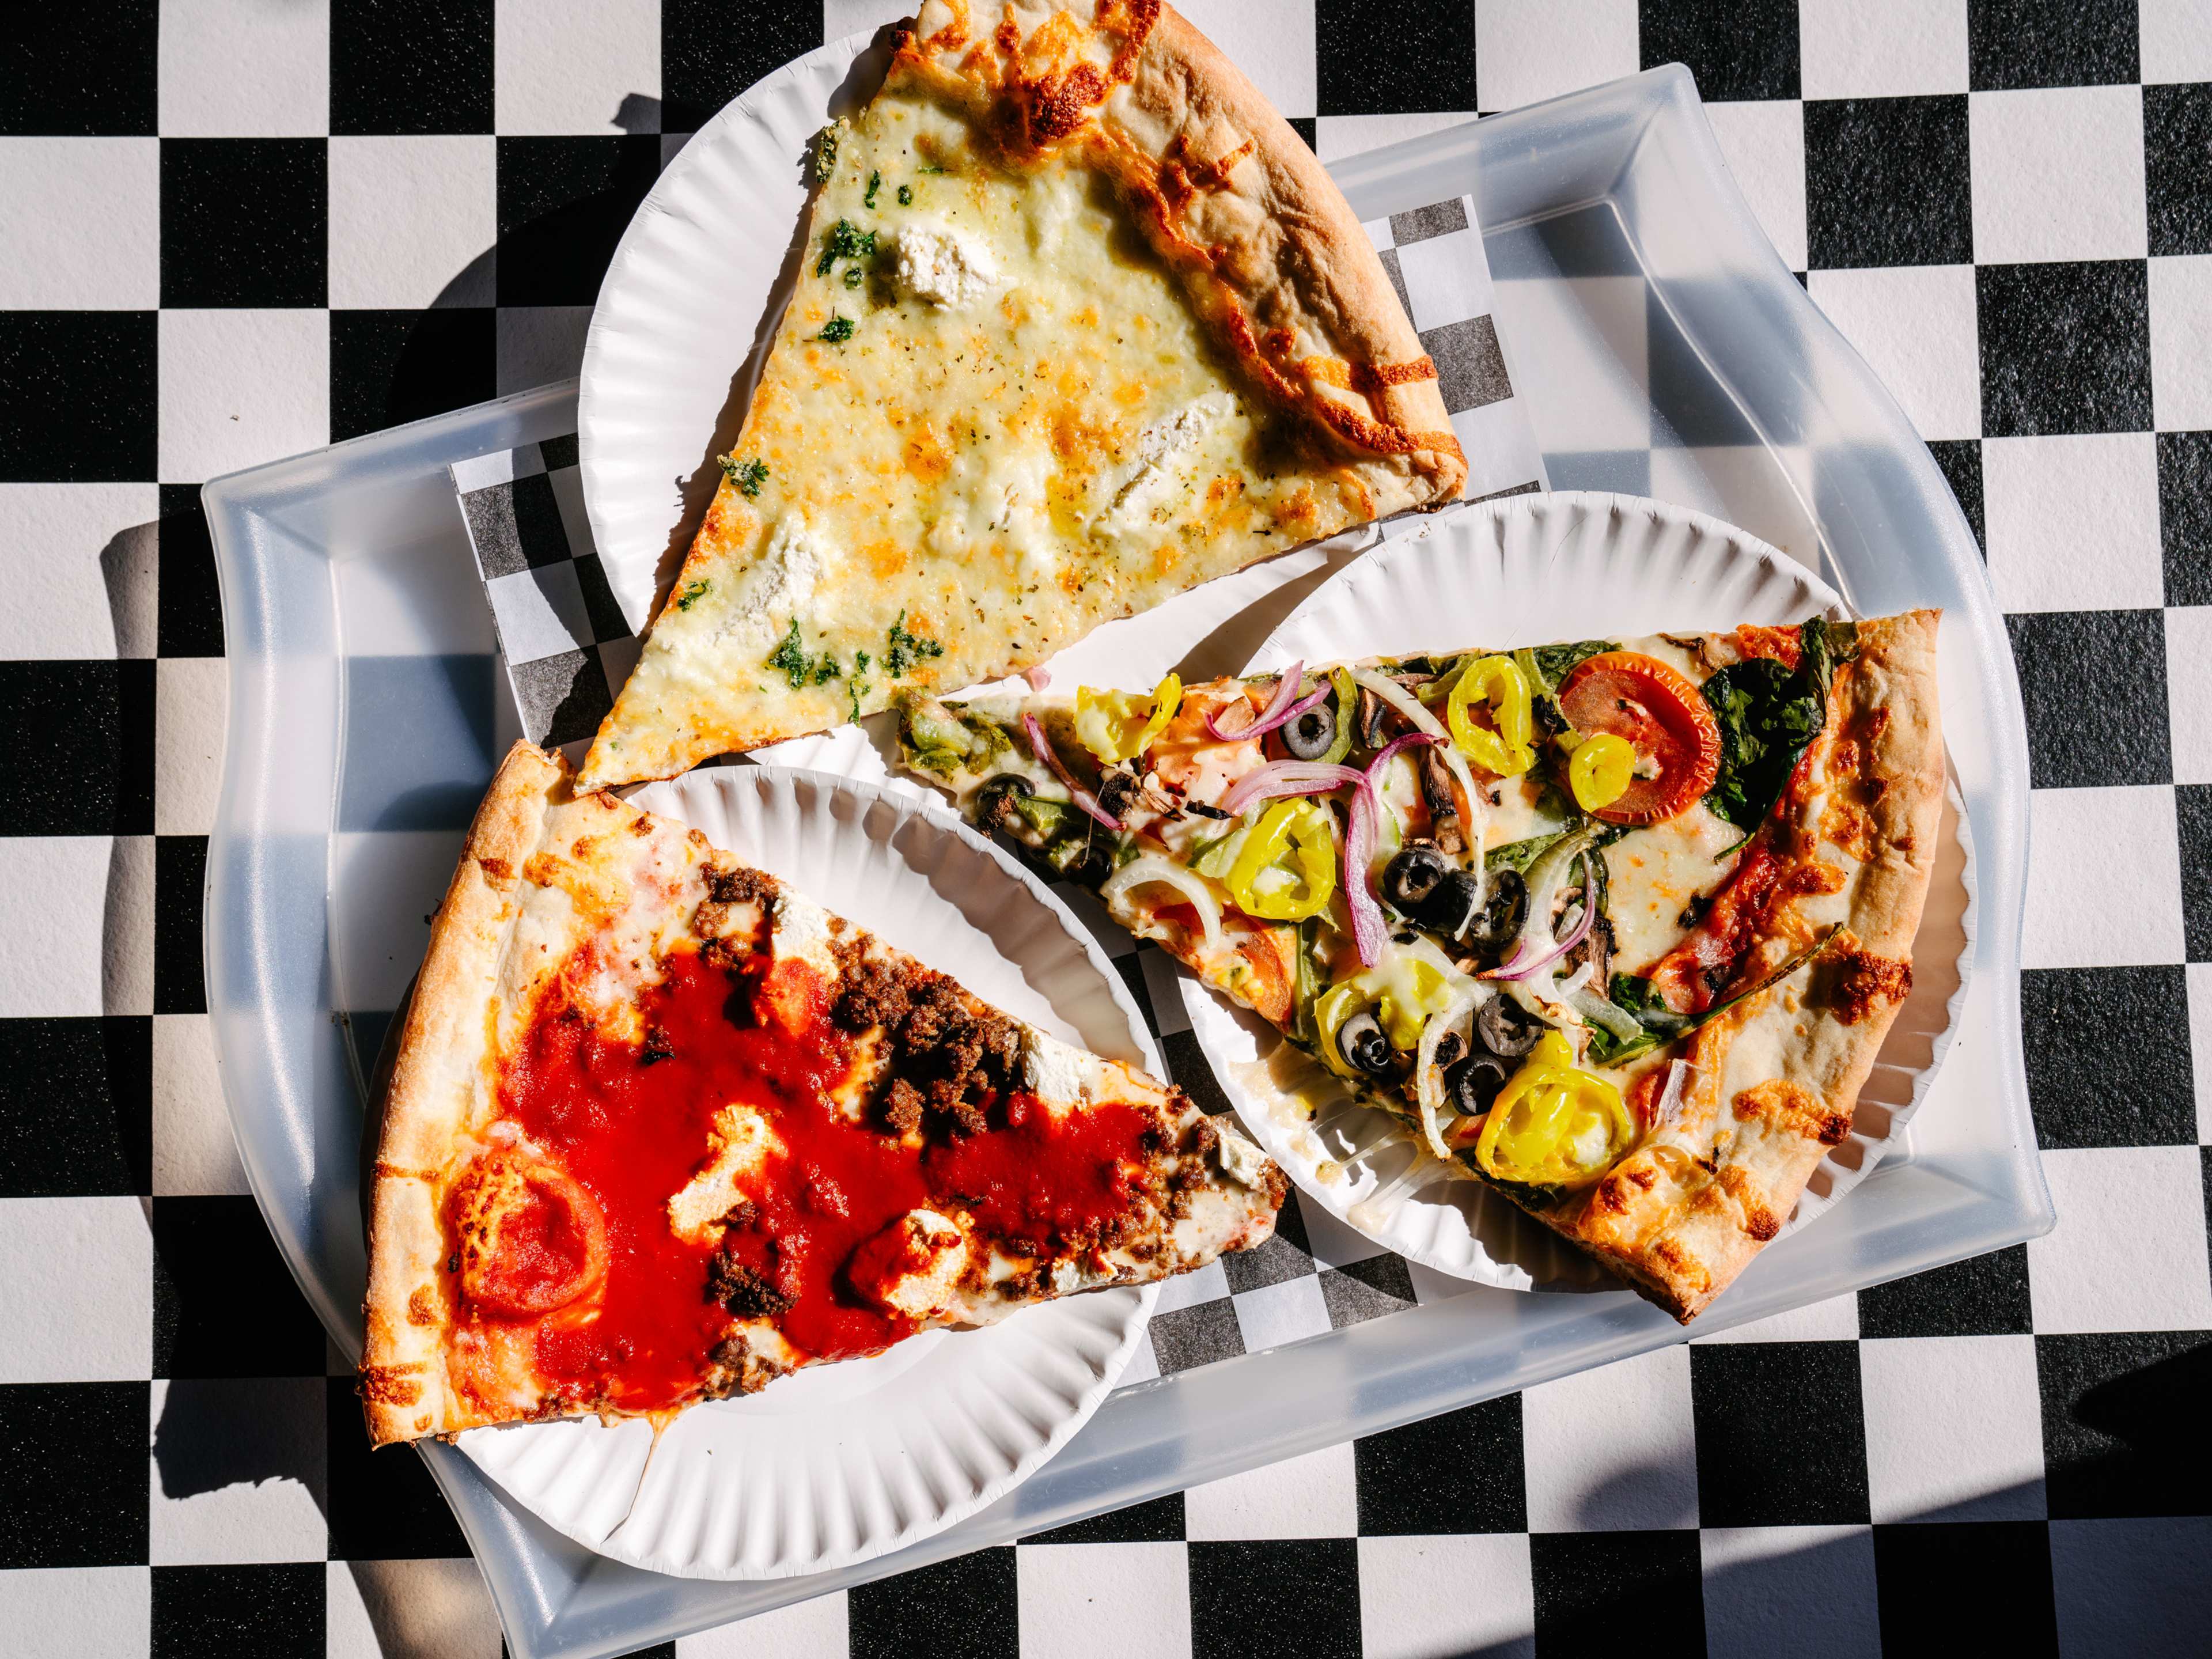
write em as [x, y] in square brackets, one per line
[630, 1123]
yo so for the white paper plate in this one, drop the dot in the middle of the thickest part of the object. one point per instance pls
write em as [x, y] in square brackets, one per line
[834, 1465]
[1526, 571]
[689, 306]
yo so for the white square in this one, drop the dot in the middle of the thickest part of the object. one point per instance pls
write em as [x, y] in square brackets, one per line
[77, 1612]
[2120, 908]
[1763, 142]
[1805, 1591]
[1836, 1320]
[102, 1330]
[2177, 39]
[194, 1150]
[1591, 337]
[378, 1609]
[80, 218]
[1527, 49]
[1272, 43]
[1446, 278]
[571, 65]
[2200, 1046]
[1102, 1601]
[241, 387]
[2057, 174]
[409, 216]
[2072, 521]
[376, 948]
[2189, 691]
[53, 920]
[81, 571]
[1338, 136]
[1915, 325]
[538, 344]
[2134, 1588]
[2128, 1254]
[250, 69]
[541, 612]
[1462, 1594]
[190, 696]
[2181, 343]
[1614, 1449]
[1880, 48]
[1954, 1429]
[126, 953]
[1501, 451]
[1286, 1312]
[1209, 1284]
[1311, 1496]
[236, 1471]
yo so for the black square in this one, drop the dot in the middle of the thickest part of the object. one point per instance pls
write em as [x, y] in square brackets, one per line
[77, 744]
[1457, 1473]
[1744, 49]
[274, 1609]
[1309, 1586]
[705, 62]
[2065, 347]
[1959, 461]
[1188, 1067]
[563, 204]
[224, 1302]
[1887, 182]
[1421, 224]
[411, 66]
[2185, 515]
[1158, 1521]
[516, 526]
[189, 616]
[76, 1116]
[1285, 1256]
[967, 1606]
[2178, 167]
[2087, 726]
[73, 1490]
[1304, 126]
[1781, 1433]
[1470, 368]
[2122, 1422]
[80, 71]
[1379, 57]
[607, 620]
[1184, 1337]
[1365, 1289]
[245, 222]
[180, 874]
[383, 1505]
[1918, 1572]
[76, 396]
[1592, 1586]
[2011, 44]
[1985, 1296]
[2108, 1056]
[388, 367]
[2193, 811]
[564, 698]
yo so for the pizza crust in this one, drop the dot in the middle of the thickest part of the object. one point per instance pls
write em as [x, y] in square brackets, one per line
[1777, 1078]
[1227, 192]
[444, 1053]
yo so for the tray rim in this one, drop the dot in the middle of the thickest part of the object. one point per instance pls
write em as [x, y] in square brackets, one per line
[600, 1614]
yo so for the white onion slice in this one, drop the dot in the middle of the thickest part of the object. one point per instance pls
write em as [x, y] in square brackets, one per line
[1603, 1011]
[1148, 868]
[1278, 710]
[1082, 797]
[1428, 1085]
[1368, 931]
[1681, 1077]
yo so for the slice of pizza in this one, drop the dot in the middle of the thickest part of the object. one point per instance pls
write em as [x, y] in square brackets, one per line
[1080, 322]
[661, 1130]
[1617, 926]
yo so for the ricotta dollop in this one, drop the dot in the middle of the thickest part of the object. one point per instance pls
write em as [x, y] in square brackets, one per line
[936, 264]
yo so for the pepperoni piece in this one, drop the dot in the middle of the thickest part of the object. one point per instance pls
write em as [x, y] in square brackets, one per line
[1663, 714]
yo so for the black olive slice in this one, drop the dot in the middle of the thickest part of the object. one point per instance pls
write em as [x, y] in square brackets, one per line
[1506, 1028]
[1471, 1084]
[1364, 1048]
[1503, 912]
[996, 798]
[1451, 907]
[1410, 877]
[1310, 735]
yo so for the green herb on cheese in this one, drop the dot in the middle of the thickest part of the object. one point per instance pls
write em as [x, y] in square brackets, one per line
[748, 476]
[846, 240]
[692, 594]
[836, 331]
[903, 649]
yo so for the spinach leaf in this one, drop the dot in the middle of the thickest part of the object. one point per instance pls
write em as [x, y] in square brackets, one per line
[1556, 662]
[1768, 717]
[1519, 855]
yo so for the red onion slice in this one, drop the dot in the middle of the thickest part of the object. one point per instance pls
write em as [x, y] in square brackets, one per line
[1038, 677]
[1409, 740]
[1368, 929]
[1282, 705]
[1516, 969]
[1288, 778]
[1082, 797]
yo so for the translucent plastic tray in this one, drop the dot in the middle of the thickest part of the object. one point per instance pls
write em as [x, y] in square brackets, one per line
[1663, 349]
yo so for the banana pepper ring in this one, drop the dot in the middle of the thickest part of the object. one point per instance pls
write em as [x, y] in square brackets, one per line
[1553, 1124]
[1287, 871]
[1119, 726]
[1502, 748]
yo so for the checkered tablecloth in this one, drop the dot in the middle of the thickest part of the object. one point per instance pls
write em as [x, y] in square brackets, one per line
[232, 229]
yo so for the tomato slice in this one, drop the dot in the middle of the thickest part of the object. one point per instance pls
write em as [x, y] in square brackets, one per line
[1660, 712]
[532, 1239]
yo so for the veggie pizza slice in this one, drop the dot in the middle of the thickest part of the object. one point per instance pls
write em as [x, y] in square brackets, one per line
[1617, 926]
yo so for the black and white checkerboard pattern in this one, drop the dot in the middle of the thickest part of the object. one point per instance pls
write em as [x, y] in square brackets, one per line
[568, 648]
[230, 229]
